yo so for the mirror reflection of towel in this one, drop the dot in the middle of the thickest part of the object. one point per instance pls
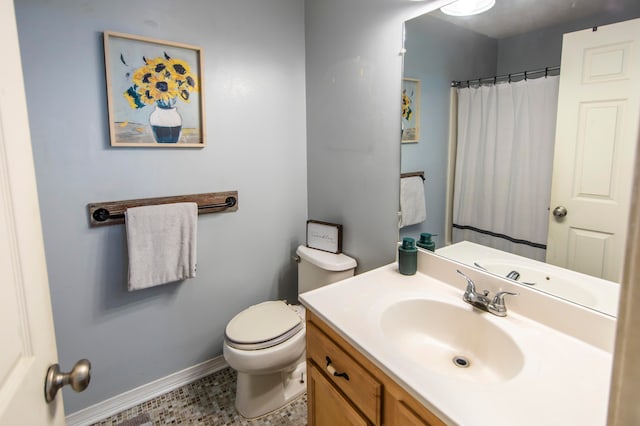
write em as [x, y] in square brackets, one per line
[161, 241]
[413, 207]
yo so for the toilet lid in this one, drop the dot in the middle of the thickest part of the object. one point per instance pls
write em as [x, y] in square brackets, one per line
[263, 325]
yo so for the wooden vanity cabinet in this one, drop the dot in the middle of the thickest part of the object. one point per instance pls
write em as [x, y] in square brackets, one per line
[321, 394]
[345, 388]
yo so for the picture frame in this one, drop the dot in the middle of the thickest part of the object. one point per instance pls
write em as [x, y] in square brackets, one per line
[324, 236]
[410, 110]
[155, 92]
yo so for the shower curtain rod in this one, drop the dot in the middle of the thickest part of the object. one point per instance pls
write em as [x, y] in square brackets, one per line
[495, 78]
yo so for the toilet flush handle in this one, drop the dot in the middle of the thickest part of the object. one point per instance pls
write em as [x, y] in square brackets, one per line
[297, 258]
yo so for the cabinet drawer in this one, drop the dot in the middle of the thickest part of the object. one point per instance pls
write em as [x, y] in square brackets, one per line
[345, 373]
[327, 406]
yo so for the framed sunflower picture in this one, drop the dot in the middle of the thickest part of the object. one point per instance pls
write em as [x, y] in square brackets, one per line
[155, 92]
[410, 110]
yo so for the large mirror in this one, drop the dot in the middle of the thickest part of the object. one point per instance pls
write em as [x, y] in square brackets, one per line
[498, 46]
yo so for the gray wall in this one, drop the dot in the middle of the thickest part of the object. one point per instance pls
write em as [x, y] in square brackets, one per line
[437, 53]
[540, 49]
[353, 126]
[255, 115]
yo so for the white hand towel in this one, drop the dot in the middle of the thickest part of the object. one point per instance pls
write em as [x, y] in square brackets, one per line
[162, 243]
[413, 208]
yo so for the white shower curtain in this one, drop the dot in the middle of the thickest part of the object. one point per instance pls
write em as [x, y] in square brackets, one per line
[503, 166]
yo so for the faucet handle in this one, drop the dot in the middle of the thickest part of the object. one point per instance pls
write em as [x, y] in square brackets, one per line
[498, 299]
[471, 287]
[497, 306]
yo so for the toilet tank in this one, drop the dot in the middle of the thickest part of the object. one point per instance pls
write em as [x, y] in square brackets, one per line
[317, 268]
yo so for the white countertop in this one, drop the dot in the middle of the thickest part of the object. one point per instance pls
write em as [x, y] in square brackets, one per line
[564, 381]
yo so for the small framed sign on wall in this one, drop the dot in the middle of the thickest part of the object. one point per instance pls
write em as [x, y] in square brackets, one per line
[324, 236]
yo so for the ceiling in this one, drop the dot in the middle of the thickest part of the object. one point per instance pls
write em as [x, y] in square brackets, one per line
[512, 17]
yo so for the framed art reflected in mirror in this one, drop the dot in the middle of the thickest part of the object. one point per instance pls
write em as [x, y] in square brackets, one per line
[410, 110]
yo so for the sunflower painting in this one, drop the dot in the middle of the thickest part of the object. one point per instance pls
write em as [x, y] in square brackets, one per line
[154, 91]
[410, 110]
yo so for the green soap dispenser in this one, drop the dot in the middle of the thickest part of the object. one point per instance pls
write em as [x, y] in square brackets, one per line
[426, 242]
[408, 256]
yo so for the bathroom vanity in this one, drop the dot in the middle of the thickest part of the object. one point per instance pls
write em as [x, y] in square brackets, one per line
[384, 348]
[344, 386]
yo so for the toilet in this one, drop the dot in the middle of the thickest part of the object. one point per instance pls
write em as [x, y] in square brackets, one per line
[265, 343]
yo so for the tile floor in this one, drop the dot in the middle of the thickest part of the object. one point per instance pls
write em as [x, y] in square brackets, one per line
[207, 401]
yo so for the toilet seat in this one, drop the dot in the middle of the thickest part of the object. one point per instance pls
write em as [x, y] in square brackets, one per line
[262, 326]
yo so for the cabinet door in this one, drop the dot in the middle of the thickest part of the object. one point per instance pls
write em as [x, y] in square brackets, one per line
[327, 406]
[362, 389]
[406, 417]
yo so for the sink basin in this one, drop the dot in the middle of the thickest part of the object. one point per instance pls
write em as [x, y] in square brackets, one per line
[451, 340]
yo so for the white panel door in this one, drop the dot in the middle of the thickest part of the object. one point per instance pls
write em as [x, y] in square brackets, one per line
[26, 330]
[596, 137]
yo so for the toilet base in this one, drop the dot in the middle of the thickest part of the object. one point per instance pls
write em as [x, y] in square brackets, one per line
[260, 394]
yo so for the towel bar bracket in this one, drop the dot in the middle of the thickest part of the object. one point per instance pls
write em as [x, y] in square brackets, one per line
[102, 214]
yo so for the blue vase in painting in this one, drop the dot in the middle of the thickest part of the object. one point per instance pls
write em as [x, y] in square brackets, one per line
[166, 124]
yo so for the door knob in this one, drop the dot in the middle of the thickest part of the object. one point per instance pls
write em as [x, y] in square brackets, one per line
[78, 378]
[560, 211]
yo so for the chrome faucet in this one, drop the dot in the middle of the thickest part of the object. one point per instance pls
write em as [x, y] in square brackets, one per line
[482, 300]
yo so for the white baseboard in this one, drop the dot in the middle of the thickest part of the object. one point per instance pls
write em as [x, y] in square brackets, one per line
[144, 393]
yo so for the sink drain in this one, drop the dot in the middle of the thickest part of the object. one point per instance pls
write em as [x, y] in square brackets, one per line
[461, 361]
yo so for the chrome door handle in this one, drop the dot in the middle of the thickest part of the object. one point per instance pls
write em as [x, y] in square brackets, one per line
[560, 211]
[78, 378]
